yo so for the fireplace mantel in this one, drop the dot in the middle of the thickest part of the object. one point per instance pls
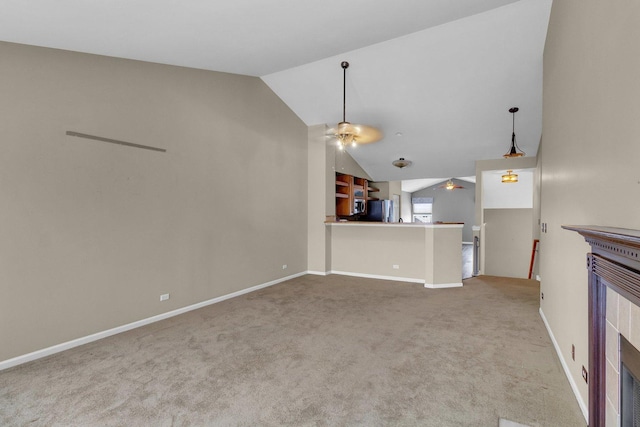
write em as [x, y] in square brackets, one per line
[614, 262]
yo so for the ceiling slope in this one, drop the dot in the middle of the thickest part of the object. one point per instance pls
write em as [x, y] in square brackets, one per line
[446, 90]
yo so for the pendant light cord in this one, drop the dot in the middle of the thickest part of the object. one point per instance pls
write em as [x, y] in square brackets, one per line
[344, 65]
[514, 144]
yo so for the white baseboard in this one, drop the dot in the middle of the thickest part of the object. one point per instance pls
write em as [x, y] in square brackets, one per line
[318, 273]
[442, 285]
[5, 364]
[376, 276]
[574, 386]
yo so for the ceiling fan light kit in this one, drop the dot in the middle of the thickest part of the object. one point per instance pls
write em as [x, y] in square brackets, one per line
[352, 134]
[402, 163]
[450, 185]
[514, 150]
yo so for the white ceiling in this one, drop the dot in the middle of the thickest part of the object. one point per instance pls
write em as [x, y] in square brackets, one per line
[441, 72]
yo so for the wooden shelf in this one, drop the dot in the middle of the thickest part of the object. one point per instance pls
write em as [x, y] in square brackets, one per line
[351, 192]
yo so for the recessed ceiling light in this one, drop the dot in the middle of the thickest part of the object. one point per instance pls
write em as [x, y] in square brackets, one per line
[398, 133]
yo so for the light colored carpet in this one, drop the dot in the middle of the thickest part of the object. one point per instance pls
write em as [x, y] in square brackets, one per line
[507, 423]
[332, 350]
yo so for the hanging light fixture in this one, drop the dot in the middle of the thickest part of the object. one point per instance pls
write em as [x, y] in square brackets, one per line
[450, 185]
[401, 163]
[509, 177]
[514, 151]
[352, 134]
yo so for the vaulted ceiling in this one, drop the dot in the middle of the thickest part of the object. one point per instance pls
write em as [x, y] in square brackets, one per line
[436, 76]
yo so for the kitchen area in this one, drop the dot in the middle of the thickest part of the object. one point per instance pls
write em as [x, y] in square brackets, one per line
[368, 238]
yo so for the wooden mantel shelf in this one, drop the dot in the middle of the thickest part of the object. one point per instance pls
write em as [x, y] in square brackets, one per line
[613, 234]
[611, 242]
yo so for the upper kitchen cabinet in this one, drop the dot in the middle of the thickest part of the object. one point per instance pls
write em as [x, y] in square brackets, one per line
[352, 194]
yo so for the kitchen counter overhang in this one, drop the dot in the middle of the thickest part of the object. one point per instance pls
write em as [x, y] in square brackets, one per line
[421, 253]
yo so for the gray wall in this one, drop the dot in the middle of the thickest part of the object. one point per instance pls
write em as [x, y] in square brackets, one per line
[453, 205]
[92, 233]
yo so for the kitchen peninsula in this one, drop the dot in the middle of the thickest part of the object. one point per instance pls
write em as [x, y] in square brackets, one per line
[413, 252]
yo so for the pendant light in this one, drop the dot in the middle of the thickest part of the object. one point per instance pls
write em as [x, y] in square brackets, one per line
[348, 133]
[401, 163]
[509, 177]
[514, 150]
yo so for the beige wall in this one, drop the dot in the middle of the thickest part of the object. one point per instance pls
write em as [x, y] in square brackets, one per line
[590, 152]
[373, 250]
[444, 257]
[92, 233]
[428, 254]
[320, 198]
[508, 242]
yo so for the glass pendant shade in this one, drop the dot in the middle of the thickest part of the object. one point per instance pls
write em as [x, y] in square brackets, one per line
[509, 177]
[401, 163]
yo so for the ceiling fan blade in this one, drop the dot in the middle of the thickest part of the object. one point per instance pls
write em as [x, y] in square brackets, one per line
[364, 134]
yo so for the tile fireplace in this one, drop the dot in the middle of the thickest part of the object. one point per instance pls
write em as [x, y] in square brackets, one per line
[614, 324]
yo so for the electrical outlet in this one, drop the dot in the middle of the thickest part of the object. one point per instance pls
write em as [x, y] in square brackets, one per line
[573, 352]
[542, 295]
[396, 267]
[284, 266]
[585, 375]
[164, 297]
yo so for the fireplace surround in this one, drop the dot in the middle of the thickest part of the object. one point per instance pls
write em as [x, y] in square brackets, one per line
[614, 274]
[629, 384]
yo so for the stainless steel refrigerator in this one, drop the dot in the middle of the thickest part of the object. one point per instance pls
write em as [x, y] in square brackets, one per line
[380, 210]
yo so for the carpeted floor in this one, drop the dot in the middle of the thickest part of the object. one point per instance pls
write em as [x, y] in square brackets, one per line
[315, 350]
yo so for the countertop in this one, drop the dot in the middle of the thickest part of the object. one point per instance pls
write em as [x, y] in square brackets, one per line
[396, 224]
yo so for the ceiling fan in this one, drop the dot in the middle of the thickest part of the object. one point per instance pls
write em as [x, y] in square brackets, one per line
[350, 133]
[449, 185]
